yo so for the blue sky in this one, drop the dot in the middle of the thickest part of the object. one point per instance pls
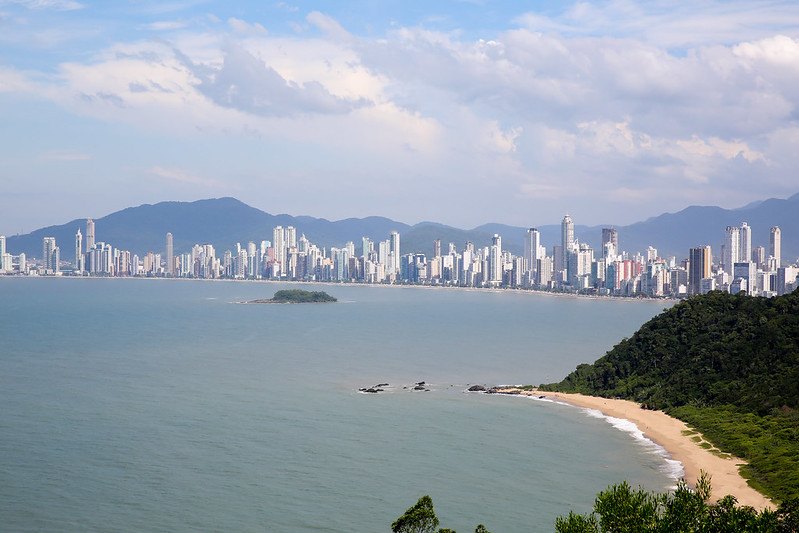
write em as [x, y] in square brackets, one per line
[462, 112]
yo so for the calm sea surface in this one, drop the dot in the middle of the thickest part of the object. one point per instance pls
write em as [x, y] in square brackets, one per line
[153, 405]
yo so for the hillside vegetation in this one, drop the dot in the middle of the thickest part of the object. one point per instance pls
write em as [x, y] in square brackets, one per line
[728, 365]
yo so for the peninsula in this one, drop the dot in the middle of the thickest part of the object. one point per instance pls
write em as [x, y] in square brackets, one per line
[296, 296]
[725, 365]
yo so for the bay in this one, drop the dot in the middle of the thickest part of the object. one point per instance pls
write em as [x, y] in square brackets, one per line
[162, 405]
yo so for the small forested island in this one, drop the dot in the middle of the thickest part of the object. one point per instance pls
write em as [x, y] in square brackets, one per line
[296, 296]
[727, 365]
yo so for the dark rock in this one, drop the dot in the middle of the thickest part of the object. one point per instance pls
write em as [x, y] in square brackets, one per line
[541, 397]
[371, 390]
[418, 387]
[382, 385]
[477, 388]
[378, 390]
[420, 383]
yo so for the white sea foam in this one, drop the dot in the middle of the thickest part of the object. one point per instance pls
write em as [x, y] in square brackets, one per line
[671, 467]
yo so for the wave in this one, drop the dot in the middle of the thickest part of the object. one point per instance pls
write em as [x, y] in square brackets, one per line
[670, 467]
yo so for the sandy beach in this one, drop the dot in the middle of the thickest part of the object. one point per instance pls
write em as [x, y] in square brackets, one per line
[670, 433]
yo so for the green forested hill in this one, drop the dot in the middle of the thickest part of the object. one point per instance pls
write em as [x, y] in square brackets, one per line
[727, 365]
[714, 349]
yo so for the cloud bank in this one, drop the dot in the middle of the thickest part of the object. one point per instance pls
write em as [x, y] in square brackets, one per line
[613, 111]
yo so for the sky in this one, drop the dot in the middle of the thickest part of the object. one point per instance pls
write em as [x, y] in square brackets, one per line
[462, 112]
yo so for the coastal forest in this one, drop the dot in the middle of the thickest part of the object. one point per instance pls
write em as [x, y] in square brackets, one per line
[728, 366]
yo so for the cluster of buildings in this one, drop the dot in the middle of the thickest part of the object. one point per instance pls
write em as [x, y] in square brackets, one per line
[570, 266]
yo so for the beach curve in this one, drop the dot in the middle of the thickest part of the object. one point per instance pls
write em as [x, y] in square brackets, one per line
[673, 435]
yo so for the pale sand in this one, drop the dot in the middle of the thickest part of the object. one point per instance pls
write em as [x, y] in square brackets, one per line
[668, 433]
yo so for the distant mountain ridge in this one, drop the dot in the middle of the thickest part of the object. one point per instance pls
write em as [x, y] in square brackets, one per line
[225, 221]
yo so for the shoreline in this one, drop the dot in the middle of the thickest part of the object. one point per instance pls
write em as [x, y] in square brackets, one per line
[672, 435]
[490, 290]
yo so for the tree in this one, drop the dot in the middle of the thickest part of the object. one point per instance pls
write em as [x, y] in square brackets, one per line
[620, 508]
[420, 518]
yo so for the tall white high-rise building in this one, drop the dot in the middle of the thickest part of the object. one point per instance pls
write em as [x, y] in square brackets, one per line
[279, 244]
[746, 243]
[775, 245]
[89, 234]
[566, 239]
[290, 237]
[732, 248]
[3, 266]
[394, 252]
[383, 252]
[79, 257]
[532, 244]
[495, 262]
[50, 255]
[170, 256]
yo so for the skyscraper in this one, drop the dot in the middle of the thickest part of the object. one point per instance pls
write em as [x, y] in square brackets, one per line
[610, 235]
[170, 256]
[495, 259]
[395, 251]
[775, 245]
[746, 243]
[732, 249]
[437, 248]
[532, 242]
[290, 237]
[79, 257]
[699, 268]
[279, 244]
[50, 255]
[367, 247]
[89, 234]
[567, 239]
[3, 266]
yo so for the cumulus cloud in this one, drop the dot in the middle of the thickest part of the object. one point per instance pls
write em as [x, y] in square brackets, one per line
[246, 83]
[244, 27]
[565, 107]
[166, 25]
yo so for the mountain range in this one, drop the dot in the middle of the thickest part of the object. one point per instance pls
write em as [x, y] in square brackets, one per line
[225, 221]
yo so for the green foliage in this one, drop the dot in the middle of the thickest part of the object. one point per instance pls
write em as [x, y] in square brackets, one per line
[621, 509]
[300, 296]
[419, 518]
[726, 364]
[769, 444]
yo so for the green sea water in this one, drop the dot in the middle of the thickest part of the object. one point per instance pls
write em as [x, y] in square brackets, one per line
[161, 405]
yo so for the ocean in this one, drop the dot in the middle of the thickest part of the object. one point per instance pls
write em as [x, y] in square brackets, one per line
[163, 405]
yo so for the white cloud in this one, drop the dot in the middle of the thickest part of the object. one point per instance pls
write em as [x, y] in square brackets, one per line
[166, 25]
[542, 111]
[244, 27]
[328, 26]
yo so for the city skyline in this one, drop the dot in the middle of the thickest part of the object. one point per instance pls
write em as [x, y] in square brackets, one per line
[573, 266]
[593, 108]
